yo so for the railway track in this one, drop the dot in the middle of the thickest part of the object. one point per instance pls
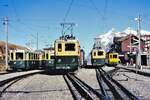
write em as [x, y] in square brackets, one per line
[8, 80]
[4, 79]
[135, 71]
[8, 84]
[80, 89]
[118, 91]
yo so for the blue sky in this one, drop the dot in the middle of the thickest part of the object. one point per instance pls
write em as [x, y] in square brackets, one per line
[93, 17]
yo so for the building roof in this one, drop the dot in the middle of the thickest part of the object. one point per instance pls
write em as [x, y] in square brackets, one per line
[13, 46]
[127, 37]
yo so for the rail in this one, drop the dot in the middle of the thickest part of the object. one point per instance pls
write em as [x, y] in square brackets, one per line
[124, 90]
[84, 90]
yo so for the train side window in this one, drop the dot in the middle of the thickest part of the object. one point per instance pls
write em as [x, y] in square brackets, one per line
[59, 47]
[29, 56]
[114, 56]
[100, 53]
[47, 56]
[12, 56]
[32, 56]
[70, 47]
[94, 53]
[19, 56]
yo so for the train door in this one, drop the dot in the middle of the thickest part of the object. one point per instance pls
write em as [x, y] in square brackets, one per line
[143, 60]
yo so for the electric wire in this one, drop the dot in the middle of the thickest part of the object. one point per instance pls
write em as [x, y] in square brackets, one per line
[68, 10]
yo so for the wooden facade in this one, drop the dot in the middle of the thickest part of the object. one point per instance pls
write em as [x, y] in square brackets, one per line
[128, 43]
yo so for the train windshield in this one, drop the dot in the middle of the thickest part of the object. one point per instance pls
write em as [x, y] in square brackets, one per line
[52, 57]
[19, 56]
[70, 47]
[114, 56]
[100, 53]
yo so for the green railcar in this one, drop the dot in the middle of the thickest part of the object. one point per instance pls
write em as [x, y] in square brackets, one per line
[23, 60]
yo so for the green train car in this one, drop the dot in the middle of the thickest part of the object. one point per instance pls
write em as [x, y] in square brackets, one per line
[48, 59]
[23, 60]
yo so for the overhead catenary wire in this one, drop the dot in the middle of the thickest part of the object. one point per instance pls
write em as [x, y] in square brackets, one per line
[104, 18]
[68, 10]
[14, 10]
[95, 7]
[101, 13]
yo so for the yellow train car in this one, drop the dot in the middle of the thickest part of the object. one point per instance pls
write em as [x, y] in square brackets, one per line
[112, 59]
[67, 53]
[98, 57]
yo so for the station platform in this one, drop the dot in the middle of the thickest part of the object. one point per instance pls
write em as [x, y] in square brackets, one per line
[145, 69]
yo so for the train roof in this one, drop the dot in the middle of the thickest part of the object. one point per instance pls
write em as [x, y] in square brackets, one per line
[22, 51]
[98, 49]
[67, 38]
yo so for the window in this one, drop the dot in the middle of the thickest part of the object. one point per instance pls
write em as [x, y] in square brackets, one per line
[32, 56]
[47, 56]
[52, 57]
[29, 56]
[114, 56]
[110, 56]
[59, 47]
[100, 53]
[12, 56]
[94, 53]
[70, 47]
[19, 56]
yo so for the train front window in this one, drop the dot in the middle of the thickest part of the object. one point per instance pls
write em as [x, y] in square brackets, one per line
[100, 53]
[19, 56]
[110, 56]
[114, 56]
[94, 53]
[52, 57]
[59, 47]
[70, 47]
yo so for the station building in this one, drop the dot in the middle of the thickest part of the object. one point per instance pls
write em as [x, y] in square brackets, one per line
[10, 47]
[129, 46]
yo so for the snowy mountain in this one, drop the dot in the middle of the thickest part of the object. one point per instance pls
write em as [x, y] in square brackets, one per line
[107, 38]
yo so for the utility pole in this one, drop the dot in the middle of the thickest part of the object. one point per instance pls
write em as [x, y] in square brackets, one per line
[5, 23]
[139, 45]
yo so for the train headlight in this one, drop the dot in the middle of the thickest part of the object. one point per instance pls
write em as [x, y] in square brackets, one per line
[14, 62]
[73, 60]
[59, 60]
[68, 67]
